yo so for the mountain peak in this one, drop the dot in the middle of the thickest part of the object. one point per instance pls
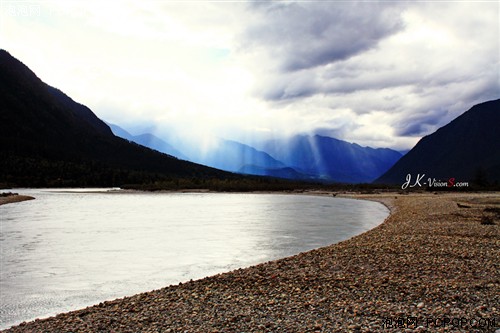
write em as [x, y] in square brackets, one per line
[331, 159]
[48, 139]
[467, 145]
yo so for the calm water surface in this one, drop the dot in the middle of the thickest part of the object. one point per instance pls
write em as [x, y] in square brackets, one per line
[70, 249]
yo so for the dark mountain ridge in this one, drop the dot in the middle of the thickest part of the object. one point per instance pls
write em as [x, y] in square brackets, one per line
[148, 140]
[80, 111]
[465, 149]
[47, 139]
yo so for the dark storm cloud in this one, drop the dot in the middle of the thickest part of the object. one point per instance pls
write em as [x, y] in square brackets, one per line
[309, 34]
[441, 101]
[414, 129]
[288, 86]
[419, 123]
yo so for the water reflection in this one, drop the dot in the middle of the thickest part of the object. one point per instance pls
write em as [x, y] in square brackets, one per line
[67, 250]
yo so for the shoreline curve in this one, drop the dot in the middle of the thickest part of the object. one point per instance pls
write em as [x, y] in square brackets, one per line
[14, 198]
[430, 259]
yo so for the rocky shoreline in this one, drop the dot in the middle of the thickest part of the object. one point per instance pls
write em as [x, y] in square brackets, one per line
[432, 266]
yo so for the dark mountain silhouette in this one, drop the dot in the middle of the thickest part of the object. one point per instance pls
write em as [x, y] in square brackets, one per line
[148, 140]
[466, 149]
[79, 110]
[47, 139]
[331, 159]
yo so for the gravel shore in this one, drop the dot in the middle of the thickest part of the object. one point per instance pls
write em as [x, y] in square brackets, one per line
[14, 198]
[432, 266]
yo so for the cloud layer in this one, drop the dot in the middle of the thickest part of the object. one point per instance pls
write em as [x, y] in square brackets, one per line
[307, 35]
[382, 74]
[411, 66]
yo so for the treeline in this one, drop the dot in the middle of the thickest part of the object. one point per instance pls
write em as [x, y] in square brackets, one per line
[242, 183]
[37, 171]
[16, 171]
[237, 184]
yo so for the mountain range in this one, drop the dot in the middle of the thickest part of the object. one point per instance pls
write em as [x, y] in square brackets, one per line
[301, 157]
[330, 159]
[466, 149]
[48, 139]
[227, 155]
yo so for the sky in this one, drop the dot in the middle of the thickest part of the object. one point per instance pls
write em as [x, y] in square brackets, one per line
[377, 73]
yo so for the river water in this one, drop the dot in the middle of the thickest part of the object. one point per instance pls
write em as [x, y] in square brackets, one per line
[73, 248]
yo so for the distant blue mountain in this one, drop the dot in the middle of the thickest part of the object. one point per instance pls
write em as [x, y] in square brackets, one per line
[300, 158]
[148, 140]
[331, 159]
[237, 157]
[225, 155]
[286, 172]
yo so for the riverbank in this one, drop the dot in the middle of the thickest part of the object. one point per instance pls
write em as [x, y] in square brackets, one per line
[12, 198]
[434, 259]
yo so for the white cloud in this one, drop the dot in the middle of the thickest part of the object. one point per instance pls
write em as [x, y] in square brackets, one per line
[375, 73]
[431, 62]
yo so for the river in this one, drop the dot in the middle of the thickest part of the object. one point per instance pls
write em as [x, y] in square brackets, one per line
[73, 248]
